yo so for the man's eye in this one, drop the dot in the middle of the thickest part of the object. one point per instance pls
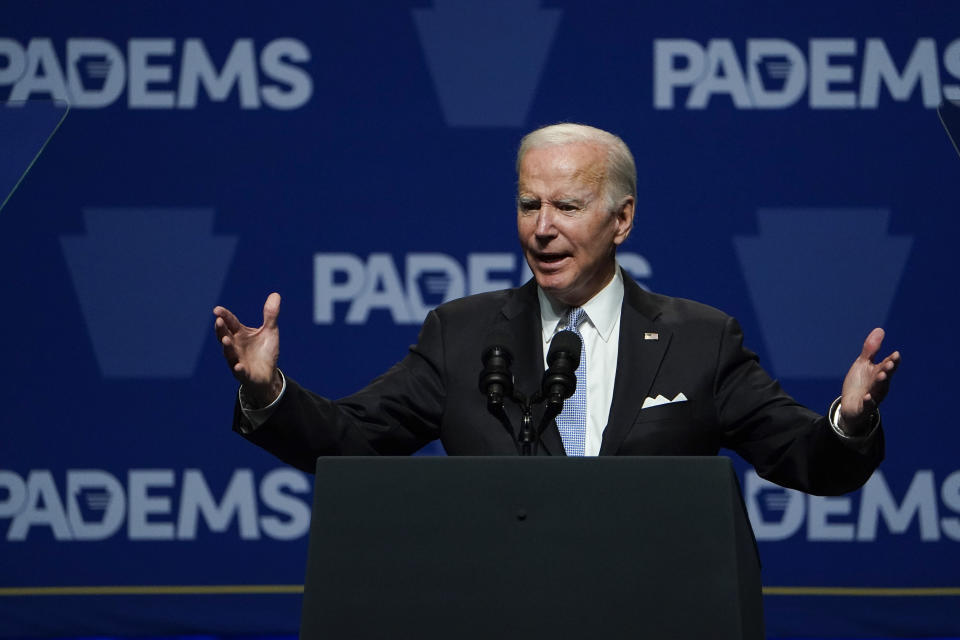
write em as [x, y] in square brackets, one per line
[568, 206]
[529, 205]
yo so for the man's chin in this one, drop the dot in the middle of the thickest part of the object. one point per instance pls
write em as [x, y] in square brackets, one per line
[554, 285]
[551, 282]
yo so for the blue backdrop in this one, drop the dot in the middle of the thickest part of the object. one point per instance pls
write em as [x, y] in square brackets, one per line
[358, 158]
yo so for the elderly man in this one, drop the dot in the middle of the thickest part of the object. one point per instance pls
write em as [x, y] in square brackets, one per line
[657, 376]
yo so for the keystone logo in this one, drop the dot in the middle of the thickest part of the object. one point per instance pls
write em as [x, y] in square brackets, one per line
[775, 513]
[816, 285]
[486, 57]
[93, 504]
[774, 72]
[141, 276]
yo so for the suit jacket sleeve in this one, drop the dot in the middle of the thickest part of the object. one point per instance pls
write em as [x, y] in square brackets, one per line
[787, 443]
[396, 414]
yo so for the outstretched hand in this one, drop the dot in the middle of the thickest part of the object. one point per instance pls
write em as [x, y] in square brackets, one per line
[252, 353]
[866, 385]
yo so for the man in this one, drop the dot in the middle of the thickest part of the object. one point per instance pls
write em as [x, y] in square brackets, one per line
[658, 376]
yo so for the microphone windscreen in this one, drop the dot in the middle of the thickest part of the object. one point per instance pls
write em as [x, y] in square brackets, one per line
[498, 338]
[565, 342]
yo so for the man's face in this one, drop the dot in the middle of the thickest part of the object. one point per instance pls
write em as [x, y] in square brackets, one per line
[567, 232]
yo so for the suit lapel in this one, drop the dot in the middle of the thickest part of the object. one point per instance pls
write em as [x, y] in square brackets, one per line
[521, 317]
[638, 360]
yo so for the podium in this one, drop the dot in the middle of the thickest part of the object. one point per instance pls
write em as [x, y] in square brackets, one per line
[474, 547]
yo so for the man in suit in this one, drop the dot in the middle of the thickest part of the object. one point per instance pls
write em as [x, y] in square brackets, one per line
[658, 375]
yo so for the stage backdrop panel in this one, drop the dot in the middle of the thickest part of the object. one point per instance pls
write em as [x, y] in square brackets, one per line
[358, 157]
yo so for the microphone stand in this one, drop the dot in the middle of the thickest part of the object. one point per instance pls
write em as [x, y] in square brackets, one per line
[528, 437]
[495, 407]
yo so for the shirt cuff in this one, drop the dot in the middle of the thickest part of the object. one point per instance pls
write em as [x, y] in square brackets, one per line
[256, 417]
[858, 443]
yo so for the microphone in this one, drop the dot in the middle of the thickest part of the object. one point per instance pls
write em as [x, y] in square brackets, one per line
[496, 379]
[560, 380]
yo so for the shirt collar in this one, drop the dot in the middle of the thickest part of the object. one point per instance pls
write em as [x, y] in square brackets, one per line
[603, 309]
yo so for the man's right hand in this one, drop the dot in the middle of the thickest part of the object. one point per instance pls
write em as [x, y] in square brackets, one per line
[252, 353]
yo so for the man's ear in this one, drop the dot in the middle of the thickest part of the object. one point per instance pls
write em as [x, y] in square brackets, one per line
[624, 216]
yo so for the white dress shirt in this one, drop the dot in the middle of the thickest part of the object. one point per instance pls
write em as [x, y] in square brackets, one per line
[601, 341]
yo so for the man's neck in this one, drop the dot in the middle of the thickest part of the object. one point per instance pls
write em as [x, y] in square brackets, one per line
[561, 306]
[603, 308]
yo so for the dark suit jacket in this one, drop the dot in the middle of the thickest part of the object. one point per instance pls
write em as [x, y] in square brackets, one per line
[433, 393]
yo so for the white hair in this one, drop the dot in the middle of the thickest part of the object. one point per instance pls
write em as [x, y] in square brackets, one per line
[621, 171]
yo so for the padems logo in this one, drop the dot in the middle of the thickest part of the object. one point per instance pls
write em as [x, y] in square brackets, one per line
[360, 286]
[922, 509]
[834, 73]
[152, 504]
[155, 73]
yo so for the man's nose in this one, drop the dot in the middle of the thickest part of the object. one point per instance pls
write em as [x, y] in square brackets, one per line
[545, 223]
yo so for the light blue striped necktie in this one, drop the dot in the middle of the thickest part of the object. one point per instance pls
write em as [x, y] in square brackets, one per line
[572, 421]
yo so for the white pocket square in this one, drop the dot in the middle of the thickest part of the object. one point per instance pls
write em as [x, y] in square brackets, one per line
[661, 399]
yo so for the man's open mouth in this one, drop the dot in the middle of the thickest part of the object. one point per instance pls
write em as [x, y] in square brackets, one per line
[551, 257]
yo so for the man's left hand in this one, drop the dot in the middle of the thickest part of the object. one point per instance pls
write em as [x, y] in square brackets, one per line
[866, 385]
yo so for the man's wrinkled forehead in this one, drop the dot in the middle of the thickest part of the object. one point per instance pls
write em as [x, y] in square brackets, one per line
[569, 162]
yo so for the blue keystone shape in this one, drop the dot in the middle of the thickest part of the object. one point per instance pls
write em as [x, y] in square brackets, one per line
[147, 279]
[820, 280]
[486, 57]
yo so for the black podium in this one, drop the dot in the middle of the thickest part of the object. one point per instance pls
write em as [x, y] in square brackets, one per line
[530, 548]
